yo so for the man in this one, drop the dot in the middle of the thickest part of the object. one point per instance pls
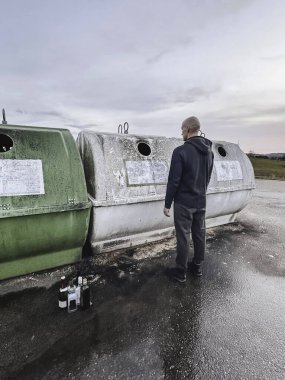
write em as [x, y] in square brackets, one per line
[189, 176]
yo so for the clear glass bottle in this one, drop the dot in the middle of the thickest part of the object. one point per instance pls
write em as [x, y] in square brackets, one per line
[71, 298]
[78, 290]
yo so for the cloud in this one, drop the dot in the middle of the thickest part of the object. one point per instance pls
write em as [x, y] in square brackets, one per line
[94, 64]
[20, 111]
[181, 42]
[233, 6]
[192, 95]
[82, 126]
[157, 56]
[278, 57]
[245, 115]
[52, 113]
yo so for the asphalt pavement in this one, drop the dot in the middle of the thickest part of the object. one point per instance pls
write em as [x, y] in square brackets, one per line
[229, 324]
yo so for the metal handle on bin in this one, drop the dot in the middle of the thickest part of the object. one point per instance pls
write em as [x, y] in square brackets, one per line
[124, 128]
[4, 116]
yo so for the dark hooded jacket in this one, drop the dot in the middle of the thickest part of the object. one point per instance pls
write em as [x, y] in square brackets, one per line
[190, 172]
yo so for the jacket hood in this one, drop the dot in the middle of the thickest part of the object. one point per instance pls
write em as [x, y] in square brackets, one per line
[202, 144]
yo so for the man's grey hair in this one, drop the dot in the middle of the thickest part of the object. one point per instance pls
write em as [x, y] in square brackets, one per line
[192, 123]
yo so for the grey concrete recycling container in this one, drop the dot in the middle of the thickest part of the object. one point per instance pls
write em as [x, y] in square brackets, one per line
[126, 178]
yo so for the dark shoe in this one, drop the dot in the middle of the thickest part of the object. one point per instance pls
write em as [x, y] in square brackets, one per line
[176, 274]
[195, 269]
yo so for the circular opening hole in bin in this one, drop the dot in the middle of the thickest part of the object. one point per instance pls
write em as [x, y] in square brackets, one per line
[6, 143]
[222, 151]
[144, 149]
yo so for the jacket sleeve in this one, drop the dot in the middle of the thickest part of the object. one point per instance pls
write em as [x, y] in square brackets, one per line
[174, 177]
[210, 166]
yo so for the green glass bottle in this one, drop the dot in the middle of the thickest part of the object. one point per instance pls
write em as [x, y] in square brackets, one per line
[85, 301]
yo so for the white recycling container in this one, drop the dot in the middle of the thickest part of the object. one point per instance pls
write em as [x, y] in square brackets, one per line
[126, 177]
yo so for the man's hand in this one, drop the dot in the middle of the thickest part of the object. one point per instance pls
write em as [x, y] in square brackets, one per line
[166, 211]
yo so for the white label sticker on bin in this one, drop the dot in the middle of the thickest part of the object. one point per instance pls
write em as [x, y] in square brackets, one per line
[21, 177]
[228, 170]
[146, 172]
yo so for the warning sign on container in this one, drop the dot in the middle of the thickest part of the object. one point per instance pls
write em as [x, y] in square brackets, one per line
[228, 170]
[146, 172]
[21, 177]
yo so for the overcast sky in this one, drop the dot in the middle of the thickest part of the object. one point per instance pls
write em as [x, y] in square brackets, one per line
[95, 64]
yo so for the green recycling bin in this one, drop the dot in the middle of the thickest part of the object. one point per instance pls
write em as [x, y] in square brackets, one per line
[44, 209]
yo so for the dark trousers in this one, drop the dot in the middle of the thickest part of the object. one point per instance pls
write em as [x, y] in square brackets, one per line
[186, 220]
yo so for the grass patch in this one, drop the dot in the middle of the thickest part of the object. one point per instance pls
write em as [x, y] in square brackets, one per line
[268, 169]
